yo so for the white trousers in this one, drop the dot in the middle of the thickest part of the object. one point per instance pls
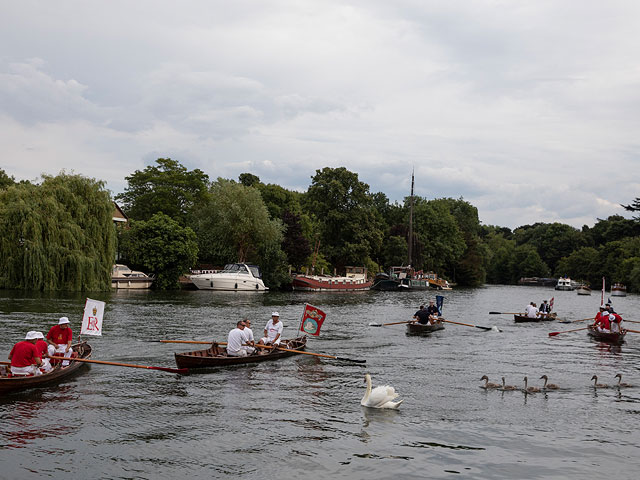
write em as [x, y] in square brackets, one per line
[268, 340]
[60, 350]
[46, 366]
[239, 353]
[28, 370]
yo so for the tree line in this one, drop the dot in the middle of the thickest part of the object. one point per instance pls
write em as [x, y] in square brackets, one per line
[58, 234]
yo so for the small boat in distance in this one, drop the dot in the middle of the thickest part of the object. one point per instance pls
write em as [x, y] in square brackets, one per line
[123, 277]
[583, 290]
[234, 277]
[216, 356]
[423, 329]
[618, 290]
[355, 279]
[401, 279]
[565, 283]
[541, 318]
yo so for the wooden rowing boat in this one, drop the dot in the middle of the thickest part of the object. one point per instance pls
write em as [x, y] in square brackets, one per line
[12, 384]
[216, 356]
[609, 337]
[423, 329]
[541, 318]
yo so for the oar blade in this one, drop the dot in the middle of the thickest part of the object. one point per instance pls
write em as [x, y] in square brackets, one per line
[351, 360]
[182, 371]
[553, 334]
[483, 328]
[375, 324]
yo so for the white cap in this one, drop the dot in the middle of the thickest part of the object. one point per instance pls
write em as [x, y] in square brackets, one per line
[32, 335]
[39, 335]
[63, 320]
[275, 314]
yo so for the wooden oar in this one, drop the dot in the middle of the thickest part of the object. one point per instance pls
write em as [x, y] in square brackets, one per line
[506, 313]
[553, 334]
[633, 331]
[630, 321]
[185, 341]
[392, 323]
[470, 325]
[312, 353]
[576, 321]
[102, 362]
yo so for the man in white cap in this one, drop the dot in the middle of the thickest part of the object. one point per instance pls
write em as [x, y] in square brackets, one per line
[272, 331]
[59, 339]
[42, 347]
[24, 356]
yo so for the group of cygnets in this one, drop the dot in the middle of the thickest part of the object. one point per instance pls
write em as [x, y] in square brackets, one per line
[547, 386]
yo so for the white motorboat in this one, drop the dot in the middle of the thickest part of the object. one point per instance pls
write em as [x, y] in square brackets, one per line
[123, 277]
[618, 290]
[583, 290]
[234, 277]
[565, 283]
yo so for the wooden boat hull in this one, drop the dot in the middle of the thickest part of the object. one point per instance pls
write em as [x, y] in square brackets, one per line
[420, 329]
[583, 290]
[216, 356]
[308, 283]
[525, 319]
[13, 384]
[615, 338]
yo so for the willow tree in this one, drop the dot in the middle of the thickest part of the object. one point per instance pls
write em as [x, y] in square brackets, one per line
[57, 235]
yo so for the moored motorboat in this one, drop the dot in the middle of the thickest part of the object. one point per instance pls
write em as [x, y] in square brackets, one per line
[609, 337]
[123, 277]
[16, 383]
[216, 355]
[355, 279]
[618, 290]
[423, 329]
[234, 277]
[565, 283]
[583, 289]
[540, 318]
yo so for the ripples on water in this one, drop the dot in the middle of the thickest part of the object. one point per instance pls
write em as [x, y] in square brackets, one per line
[301, 416]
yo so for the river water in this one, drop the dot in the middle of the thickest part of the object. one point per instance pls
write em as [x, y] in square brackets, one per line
[301, 416]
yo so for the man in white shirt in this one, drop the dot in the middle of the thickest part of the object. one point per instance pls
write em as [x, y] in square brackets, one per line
[272, 331]
[236, 341]
[531, 310]
[248, 333]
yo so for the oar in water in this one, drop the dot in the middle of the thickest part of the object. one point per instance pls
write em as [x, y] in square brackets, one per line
[311, 353]
[494, 328]
[117, 364]
[392, 323]
[506, 313]
[553, 334]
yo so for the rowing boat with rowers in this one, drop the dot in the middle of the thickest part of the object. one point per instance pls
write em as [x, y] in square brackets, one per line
[610, 337]
[541, 318]
[423, 328]
[216, 356]
[10, 383]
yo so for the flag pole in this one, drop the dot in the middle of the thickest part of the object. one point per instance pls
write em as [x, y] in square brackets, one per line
[302, 318]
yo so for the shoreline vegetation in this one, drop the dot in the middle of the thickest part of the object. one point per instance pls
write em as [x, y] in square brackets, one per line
[58, 234]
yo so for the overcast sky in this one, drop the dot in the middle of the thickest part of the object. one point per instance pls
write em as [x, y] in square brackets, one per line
[530, 110]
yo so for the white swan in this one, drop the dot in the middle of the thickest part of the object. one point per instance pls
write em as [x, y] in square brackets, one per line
[379, 397]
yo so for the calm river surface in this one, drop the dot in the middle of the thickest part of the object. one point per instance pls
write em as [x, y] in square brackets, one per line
[301, 416]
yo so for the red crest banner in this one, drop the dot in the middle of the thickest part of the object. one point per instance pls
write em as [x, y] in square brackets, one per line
[312, 319]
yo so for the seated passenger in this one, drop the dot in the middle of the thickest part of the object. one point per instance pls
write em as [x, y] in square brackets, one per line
[272, 331]
[236, 341]
[602, 323]
[434, 314]
[615, 322]
[24, 356]
[59, 338]
[421, 316]
[531, 311]
[42, 348]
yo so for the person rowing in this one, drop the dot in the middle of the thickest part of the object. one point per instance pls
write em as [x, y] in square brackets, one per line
[421, 316]
[236, 341]
[24, 357]
[59, 339]
[531, 311]
[601, 322]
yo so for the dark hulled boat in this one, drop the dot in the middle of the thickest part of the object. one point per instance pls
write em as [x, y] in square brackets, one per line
[616, 338]
[542, 318]
[12, 384]
[216, 356]
[423, 329]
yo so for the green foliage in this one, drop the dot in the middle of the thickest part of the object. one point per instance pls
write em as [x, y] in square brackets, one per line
[634, 207]
[349, 225]
[526, 262]
[234, 224]
[162, 247]
[168, 187]
[613, 228]
[552, 240]
[581, 264]
[395, 251]
[295, 244]
[58, 235]
[5, 180]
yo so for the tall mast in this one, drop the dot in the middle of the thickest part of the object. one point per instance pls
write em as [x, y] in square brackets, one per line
[410, 242]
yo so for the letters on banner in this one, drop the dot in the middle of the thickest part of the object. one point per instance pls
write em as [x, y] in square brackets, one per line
[92, 318]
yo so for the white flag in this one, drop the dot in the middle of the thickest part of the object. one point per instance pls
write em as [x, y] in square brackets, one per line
[92, 318]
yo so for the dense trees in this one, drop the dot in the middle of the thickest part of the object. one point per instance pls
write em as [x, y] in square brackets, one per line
[57, 235]
[167, 187]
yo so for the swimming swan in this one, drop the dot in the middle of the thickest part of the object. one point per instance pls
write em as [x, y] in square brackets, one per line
[379, 397]
[548, 386]
[529, 389]
[598, 385]
[621, 385]
[488, 384]
[507, 388]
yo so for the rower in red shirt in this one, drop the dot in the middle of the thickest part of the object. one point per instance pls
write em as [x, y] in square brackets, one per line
[24, 356]
[59, 339]
[42, 347]
[615, 322]
[602, 321]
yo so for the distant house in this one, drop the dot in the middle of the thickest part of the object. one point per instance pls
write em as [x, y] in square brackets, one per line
[119, 217]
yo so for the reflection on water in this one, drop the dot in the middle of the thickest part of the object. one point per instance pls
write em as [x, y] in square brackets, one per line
[302, 416]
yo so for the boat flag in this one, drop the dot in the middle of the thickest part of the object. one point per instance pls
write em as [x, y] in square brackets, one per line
[551, 303]
[439, 302]
[92, 318]
[312, 318]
